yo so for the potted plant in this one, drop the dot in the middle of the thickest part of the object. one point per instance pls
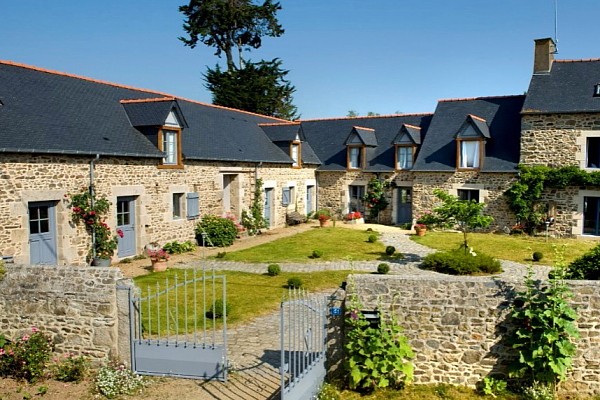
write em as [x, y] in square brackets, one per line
[91, 211]
[323, 216]
[420, 229]
[158, 256]
[354, 217]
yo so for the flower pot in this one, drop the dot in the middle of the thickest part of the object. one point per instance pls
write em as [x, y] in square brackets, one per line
[421, 231]
[324, 222]
[159, 265]
[100, 262]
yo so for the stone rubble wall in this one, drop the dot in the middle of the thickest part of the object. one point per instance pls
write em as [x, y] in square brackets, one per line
[458, 326]
[84, 310]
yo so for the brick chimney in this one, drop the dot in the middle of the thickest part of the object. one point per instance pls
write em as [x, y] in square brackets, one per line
[544, 55]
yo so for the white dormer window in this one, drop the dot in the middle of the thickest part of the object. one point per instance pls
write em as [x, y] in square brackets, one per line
[169, 146]
[404, 157]
[295, 154]
[354, 157]
[470, 153]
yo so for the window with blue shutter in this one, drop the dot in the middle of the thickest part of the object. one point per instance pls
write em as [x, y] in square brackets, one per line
[193, 205]
[286, 196]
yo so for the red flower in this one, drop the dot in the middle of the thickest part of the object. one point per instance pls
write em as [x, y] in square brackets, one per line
[120, 233]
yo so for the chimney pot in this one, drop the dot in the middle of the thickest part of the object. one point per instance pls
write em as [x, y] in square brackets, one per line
[544, 55]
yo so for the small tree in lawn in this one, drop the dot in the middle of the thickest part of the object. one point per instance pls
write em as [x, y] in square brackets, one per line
[464, 214]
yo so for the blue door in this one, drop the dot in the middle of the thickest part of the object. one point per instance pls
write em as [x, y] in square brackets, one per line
[404, 211]
[42, 233]
[126, 223]
[268, 206]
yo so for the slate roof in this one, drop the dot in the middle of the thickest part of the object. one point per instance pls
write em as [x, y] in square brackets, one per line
[414, 132]
[49, 112]
[480, 125]
[282, 134]
[151, 112]
[328, 137]
[438, 150]
[366, 136]
[568, 88]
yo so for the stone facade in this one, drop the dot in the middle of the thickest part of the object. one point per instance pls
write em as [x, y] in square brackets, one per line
[34, 178]
[84, 310]
[559, 140]
[456, 325]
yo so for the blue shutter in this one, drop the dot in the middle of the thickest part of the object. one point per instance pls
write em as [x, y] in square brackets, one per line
[193, 205]
[286, 196]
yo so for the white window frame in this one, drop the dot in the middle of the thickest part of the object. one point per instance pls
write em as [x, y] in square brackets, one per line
[170, 146]
[470, 154]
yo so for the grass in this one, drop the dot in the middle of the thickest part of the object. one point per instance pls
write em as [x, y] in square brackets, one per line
[518, 248]
[335, 243]
[249, 295]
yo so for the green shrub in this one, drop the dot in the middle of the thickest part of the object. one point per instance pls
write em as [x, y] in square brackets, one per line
[328, 392]
[537, 256]
[221, 254]
[220, 232]
[372, 238]
[317, 254]
[116, 379]
[383, 268]
[217, 309]
[369, 229]
[273, 270]
[176, 247]
[390, 250]
[70, 368]
[586, 266]
[294, 282]
[491, 386]
[26, 357]
[458, 263]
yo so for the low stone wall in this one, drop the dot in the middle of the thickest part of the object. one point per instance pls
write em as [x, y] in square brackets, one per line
[457, 325]
[85, 310]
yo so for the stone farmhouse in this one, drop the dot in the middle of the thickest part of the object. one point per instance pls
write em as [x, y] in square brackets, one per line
[164, 161]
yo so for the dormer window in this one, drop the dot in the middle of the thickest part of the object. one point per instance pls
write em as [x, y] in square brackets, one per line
[170, 141]
[470, 143]
[355, 157]
[406, 142]
[597, 90]
[295, 154]
[404, 157]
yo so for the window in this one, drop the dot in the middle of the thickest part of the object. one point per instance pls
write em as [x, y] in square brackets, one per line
[169, 141]
[193, 205]
[469, 153]
[354, 157]
[593, 152]
[596, 90]
[468, 194]
[295, 154]
[591, 216]
[356, 194]
[404, 157]
[177, 205]
[286, 197]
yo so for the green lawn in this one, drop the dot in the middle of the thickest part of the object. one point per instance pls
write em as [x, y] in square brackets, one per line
[517, 248]
[248, 294]
[335, 243]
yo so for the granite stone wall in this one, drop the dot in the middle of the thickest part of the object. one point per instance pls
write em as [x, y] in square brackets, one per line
[84, 310]
[457, 326]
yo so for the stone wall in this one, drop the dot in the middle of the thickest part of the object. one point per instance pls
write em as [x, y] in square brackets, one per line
[456, 325]
[31, 178]
[84, 310]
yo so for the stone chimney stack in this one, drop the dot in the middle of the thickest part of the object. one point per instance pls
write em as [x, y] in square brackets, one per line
[544, 55]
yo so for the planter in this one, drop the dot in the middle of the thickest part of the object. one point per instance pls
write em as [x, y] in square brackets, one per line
[159, 265]
[421, 231]
[323, 223]
[101, 262]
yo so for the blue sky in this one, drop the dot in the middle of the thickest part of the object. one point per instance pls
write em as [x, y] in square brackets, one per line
[383, 56]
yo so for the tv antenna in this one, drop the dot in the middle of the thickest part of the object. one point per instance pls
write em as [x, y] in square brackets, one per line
[555, 26]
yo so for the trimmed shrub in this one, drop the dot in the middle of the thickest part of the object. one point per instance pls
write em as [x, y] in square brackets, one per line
[458, 263]
[372, 238]
[176, 247]
[220, 232]
[317, 254]
[70, 368]
[217, 309]
[390, 250]
[294, 282]
[383, 268]
[221, 254]
[537, 256]
[273, 270]
[585, 267]
[294, 218]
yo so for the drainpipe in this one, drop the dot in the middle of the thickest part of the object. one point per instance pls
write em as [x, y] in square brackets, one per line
[92, 196]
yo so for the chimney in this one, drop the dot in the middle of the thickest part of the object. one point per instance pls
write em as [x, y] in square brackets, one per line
[544, 55]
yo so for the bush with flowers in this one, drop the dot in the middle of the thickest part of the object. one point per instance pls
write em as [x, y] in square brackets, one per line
[70, 368]
[353, 215]
[116, 379]
[216, 231]
[157, 253]
[323, 215]
[26, 357]
[91, 211]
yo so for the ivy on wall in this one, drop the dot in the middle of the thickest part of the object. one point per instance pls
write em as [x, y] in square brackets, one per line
[524, 194]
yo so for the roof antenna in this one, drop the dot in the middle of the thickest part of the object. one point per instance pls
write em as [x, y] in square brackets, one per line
[555, 27]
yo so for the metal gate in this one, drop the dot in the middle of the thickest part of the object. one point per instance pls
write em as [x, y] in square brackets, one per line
[179, 327]
[303, 327]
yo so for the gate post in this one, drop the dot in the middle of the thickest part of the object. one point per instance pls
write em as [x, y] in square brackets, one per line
[124, 338]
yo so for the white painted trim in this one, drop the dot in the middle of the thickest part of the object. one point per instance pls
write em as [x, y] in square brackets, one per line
[483, 194]
[581, 155]
[578, 215]
[269, 184]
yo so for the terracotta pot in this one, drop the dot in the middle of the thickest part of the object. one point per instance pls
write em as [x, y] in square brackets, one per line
[421, 231]
[324, 223]
[159, 265]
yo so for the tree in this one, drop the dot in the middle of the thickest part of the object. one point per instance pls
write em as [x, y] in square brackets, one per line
[465, 214]
[227, 24]
[352, 114]
[257, 87]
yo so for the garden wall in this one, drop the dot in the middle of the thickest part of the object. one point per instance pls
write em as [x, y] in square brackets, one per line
[84, 310]
[457, 325]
